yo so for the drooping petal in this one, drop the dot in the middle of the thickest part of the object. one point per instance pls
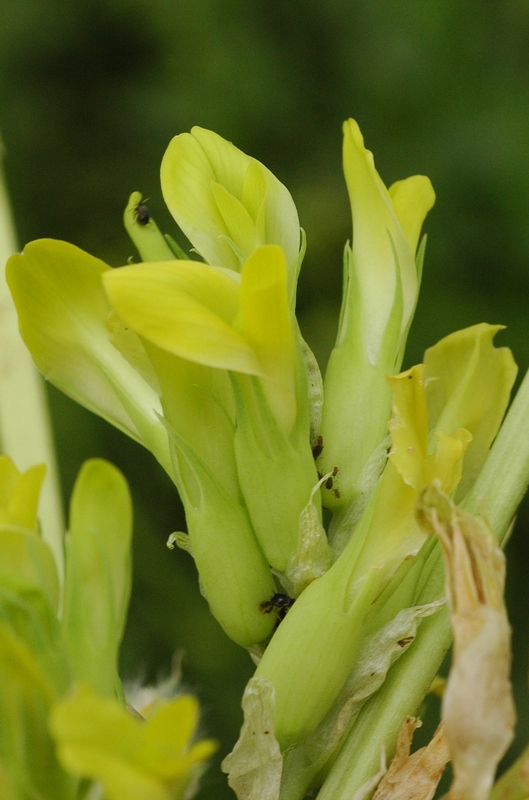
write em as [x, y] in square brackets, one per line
[265, 323]
[409, 425]
[63, 313]
[393, 533]
[186, 308]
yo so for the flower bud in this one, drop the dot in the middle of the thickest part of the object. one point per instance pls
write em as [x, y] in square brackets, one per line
[227, 203]
[381, 286]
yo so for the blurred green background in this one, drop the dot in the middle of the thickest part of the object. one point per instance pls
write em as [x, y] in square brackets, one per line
[92, 91]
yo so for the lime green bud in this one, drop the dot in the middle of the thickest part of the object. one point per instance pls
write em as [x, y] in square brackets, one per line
[312, 652]
[98, 574]
[144, 231]
[380, 292]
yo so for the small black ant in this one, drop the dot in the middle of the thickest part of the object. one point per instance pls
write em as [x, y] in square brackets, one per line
[279, 602]
[318, 448]
[143, 215]
[329, 481]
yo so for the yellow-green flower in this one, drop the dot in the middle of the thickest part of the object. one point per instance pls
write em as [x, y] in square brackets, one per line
[237, 324]
[154, 759]
[66, 322]
[227, 203]
[213, 317]
[161, 400]
[381, 283]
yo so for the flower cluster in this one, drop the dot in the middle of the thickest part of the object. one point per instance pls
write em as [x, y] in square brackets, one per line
[202, 361]
[62, 711]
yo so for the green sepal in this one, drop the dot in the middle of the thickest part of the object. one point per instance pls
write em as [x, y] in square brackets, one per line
[314, 555]
[148, 239]
[309, 658]
[357, 402]
[175, 248]
[98, 574]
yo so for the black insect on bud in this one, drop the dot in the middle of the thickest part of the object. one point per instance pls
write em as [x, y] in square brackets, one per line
[143, 215]
[279, 602]
[329, 482]
[318, 448]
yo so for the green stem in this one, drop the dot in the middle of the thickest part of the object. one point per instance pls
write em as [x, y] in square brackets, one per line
[503, 481]
[25, 429]
[497, 493]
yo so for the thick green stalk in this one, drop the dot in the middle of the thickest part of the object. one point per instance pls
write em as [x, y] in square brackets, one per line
[25, 430]
[504, 478]
[497, 493]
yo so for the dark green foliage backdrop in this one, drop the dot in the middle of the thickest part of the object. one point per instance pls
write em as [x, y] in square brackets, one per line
[91, 93]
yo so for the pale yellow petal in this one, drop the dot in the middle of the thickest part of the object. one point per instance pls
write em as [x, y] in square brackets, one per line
[186, 308]
[412, 198]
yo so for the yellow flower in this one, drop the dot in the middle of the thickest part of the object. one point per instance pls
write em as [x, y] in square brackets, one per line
[241, 325]
[152, 760]
[212, 317]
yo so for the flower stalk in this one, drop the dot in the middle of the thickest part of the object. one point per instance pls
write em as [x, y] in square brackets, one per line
[25, 427]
